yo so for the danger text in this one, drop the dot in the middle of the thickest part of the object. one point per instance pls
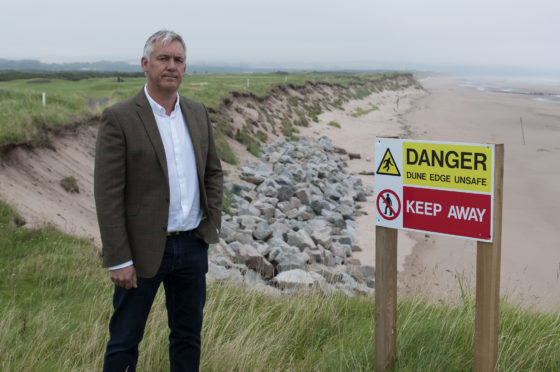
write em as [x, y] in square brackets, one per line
[450, 159]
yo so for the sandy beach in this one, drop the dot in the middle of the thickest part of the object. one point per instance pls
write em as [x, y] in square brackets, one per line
[462, 110]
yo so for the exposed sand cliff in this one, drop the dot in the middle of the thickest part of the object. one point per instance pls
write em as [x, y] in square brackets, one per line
[30, 176]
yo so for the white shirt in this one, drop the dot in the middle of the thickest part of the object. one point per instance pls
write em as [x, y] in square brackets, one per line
[184, 195]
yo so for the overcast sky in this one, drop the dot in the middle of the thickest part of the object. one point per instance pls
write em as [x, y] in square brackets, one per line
[376, 33]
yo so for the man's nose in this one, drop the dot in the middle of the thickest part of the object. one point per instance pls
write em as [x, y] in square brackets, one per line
[171, 64]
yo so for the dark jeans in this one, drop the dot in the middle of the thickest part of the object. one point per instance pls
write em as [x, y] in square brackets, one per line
[182, 270]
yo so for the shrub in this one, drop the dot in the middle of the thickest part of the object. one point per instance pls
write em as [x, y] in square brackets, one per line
[254, 149]
[293, 100]
[361, 93]
[245, 137]
[338, 104]
[287, 129]
[227, 200]
[360, 111]
[70, 184]
[313, 111]
[262, 136]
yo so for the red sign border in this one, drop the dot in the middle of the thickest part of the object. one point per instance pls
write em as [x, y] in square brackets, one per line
[380, 195]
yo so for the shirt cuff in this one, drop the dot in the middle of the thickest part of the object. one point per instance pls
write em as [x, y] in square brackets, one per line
[126, 264]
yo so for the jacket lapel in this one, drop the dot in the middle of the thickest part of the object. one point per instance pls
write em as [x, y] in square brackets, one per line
[194, 132]
[147, 118]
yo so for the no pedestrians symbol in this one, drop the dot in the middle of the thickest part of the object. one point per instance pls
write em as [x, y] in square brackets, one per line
[388, 204]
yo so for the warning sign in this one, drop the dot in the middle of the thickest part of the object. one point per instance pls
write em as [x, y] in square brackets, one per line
[388, 165]
[447, 212]
[448, 166]
[444, 188]
[388, 204]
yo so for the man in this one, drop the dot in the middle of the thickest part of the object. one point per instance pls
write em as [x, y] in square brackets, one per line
[158, 192]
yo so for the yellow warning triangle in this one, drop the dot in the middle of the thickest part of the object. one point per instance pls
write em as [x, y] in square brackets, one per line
[388, 165]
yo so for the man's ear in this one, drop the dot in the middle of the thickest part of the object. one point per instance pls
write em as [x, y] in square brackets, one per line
[144, 64]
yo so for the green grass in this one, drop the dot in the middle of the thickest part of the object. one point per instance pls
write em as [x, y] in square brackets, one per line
[255, 149]
[362, 93]
[262, 136]
[23, 117]
[333, 123]
[247, 138]
[287, 128]
[313, 111]
[293, 138]
[227, 201]
[55, 304]
[50, 287]
[223, 148]
[361, 111]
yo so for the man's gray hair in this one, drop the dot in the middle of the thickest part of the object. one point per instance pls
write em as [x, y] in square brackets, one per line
[165, 37]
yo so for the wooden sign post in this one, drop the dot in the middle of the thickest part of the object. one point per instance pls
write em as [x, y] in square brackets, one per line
[436, 196]
[385, 297]
[488, 261]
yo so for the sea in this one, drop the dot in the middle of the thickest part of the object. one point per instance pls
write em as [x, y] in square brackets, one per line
[536, 88]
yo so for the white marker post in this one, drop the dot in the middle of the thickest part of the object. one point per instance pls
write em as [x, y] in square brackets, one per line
[44, 99]
[248, 83]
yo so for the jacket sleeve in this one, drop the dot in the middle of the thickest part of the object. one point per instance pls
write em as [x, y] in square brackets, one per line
[109, 190]
[213, 178]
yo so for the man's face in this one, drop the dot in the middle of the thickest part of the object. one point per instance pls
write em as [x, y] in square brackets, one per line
[166, 67]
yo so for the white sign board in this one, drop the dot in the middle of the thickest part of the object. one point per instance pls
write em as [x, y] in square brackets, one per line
[437, 187]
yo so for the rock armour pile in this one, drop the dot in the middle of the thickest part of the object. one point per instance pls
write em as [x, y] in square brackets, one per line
[292, 226]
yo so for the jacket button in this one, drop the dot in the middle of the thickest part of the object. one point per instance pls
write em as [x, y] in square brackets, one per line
[164, 228]
[167, 200]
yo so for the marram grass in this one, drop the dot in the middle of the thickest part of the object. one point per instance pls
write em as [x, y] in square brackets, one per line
[55, 305]
[23, 116]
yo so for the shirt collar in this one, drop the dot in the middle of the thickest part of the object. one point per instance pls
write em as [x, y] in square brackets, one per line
[158, 109]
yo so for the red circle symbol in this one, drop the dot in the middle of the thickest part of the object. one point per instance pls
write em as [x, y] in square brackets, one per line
[389, 212]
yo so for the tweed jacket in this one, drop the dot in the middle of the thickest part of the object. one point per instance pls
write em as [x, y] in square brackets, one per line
[131, 184]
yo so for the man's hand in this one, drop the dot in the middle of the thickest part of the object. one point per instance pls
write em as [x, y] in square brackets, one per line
[125, 277]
